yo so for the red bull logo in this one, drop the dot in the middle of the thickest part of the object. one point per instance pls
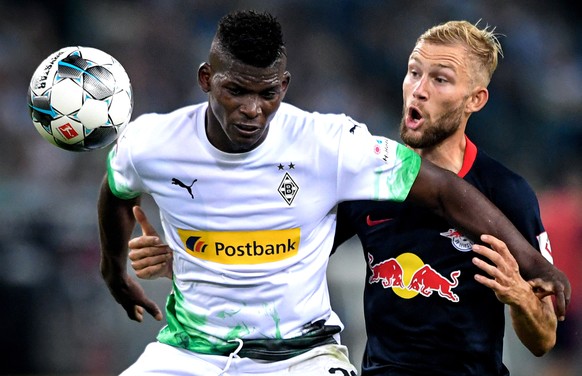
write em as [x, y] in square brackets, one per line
[408, 276]
[426, 280]
[388, 272]
[458, 240]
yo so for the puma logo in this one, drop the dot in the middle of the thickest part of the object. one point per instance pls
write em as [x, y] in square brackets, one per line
[353, 129]
[343, 371]
[186, 187]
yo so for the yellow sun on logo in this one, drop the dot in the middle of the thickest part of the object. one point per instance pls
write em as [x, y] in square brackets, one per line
[410, 263]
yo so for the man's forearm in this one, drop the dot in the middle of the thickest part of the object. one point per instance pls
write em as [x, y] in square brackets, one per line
[473, 214]
[116, 224]
[534, 322]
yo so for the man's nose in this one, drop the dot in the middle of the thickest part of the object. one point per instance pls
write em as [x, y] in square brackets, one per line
[251, 107]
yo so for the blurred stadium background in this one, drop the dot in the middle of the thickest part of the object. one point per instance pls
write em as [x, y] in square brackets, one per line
[56, 315]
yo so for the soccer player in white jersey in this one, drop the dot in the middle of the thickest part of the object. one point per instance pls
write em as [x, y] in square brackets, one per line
[247, 188]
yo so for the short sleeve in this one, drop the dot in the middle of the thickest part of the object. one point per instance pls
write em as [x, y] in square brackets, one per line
[122, 178]
[375, 168]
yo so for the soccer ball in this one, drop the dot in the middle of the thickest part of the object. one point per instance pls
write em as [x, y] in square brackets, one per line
[80, 98]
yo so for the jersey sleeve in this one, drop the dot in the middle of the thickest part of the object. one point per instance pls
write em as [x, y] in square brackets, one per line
[520, 205]
[375, 167]
[122, 177]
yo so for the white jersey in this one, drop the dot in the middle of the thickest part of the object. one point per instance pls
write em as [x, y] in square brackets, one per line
[252, 232]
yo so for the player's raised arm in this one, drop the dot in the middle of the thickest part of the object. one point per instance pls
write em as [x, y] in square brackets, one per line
[116, 223]
[463, 205]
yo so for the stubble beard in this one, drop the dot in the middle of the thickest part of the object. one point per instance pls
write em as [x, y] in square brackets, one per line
[433, 133]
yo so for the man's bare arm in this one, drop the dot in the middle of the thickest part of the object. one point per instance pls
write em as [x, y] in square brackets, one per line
[116, 224]
[473, 214]
[533, 319]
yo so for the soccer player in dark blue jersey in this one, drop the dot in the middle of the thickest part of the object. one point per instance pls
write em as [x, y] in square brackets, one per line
[432, 306]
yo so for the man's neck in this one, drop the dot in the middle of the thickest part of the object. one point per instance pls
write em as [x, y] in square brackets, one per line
[449, 154]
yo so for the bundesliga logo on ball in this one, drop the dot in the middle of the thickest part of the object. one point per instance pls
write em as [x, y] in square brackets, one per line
[80, 98]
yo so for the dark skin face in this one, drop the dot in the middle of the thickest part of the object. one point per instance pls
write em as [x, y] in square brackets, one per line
[242, 100]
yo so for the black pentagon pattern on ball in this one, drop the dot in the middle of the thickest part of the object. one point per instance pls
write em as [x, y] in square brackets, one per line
[99, 82]
[42, 103]
[70, 147]
[97, 139]
[100, 138]
[72, 66]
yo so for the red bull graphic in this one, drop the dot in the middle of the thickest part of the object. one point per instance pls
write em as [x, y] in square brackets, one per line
[389, 272]
[426, 280]
[408, 276]
[458, 240]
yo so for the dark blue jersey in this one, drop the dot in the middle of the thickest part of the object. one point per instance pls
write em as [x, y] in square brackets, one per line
[425, 314]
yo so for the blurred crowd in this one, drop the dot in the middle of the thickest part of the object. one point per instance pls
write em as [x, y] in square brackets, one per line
[347, 56]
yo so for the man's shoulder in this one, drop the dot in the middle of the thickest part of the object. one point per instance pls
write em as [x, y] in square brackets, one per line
[297, 120]
[289, 111]
[493, 168]
[497, 179]
[158, 117]
[155, 128]
[290, 114]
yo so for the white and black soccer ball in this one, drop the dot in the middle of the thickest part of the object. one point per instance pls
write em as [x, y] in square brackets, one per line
[80, 98]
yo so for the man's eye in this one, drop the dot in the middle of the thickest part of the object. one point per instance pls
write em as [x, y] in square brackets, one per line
[269, 94]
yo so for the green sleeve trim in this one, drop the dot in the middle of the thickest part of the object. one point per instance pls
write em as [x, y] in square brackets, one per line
[396, 186]
[118, 191]
[411, 167]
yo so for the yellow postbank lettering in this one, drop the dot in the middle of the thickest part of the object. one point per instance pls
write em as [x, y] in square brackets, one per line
[241, 247]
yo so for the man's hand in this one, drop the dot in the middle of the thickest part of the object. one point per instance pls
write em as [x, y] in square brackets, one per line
[553, 282]
[533, 316]
[131, 296]
[449, 196]
[149, 257]
[507, 282]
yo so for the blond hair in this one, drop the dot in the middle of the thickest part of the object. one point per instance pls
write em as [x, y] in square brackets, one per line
[482, 44]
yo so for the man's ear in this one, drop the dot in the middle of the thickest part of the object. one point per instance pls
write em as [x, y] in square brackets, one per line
[204, 75]
[478, 99]
[285, 82]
